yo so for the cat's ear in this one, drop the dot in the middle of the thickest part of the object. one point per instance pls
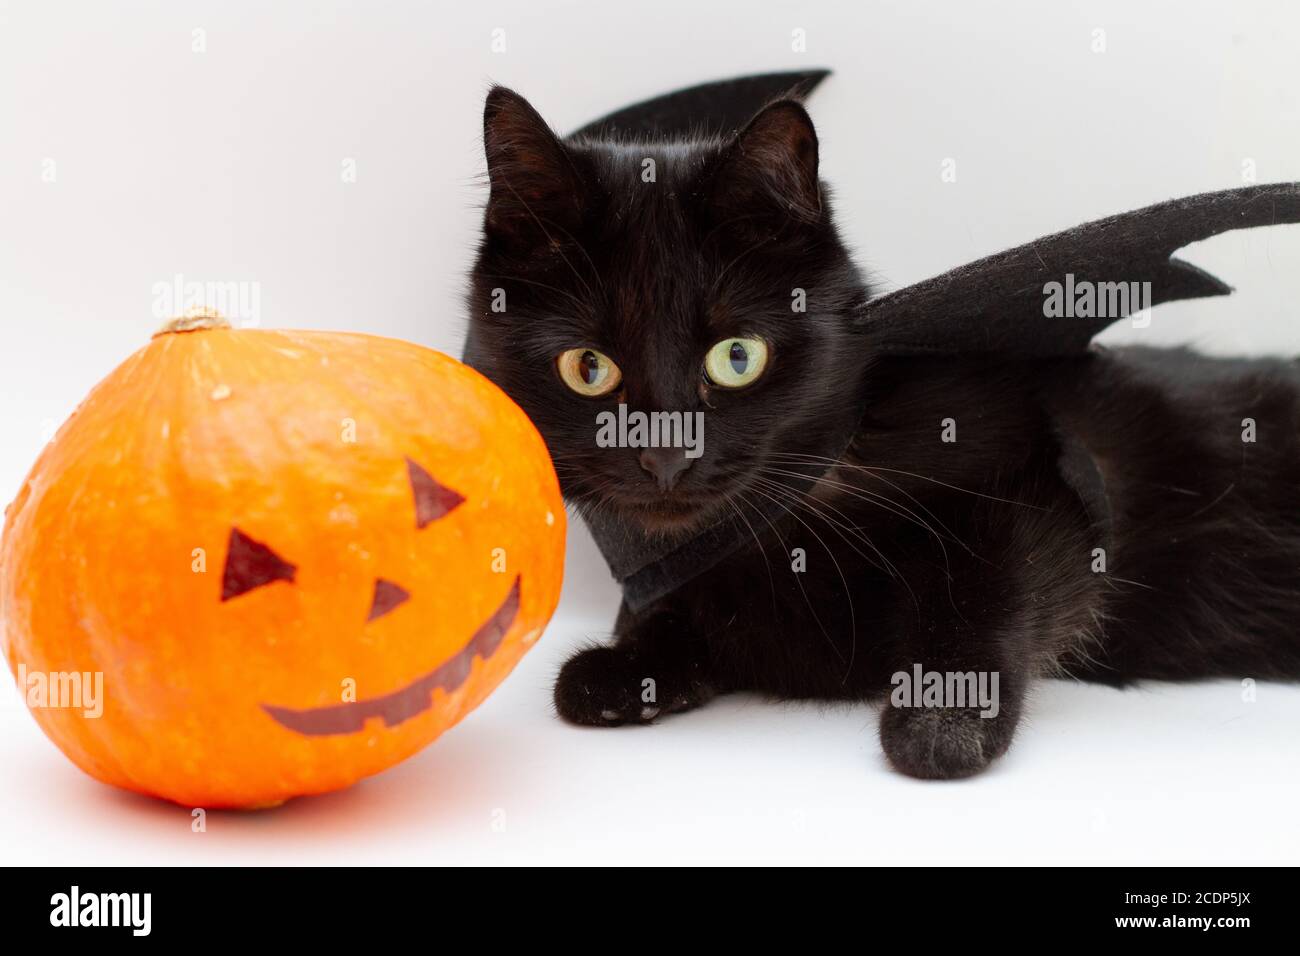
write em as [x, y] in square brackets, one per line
[536, 193]
[769, 171]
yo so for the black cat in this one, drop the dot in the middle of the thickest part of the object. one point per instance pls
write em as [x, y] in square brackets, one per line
[948, 539]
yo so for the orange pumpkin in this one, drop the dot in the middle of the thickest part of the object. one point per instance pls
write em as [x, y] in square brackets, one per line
[295, 557]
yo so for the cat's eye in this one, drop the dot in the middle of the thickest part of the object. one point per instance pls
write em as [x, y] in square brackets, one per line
[735, 363]
[589, 372]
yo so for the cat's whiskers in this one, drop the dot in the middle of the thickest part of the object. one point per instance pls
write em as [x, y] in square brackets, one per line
[890, 505]
[588, 502]
[839, 528]
[807, 601]
[889, 568]
[771, 578]
[806, 500]
[901, 490]
[870, 469]
[811, 505]
[880, 501]
[873, 498]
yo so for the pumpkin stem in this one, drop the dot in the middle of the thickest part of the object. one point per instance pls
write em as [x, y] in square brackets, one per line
[194, 320]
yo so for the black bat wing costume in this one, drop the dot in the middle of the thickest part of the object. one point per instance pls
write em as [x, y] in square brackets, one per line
[992, 305]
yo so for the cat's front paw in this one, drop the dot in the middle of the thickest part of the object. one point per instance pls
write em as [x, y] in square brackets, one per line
[608, 686]
[943, 743]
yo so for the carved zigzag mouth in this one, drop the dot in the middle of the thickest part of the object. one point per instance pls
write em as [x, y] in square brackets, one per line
[413, 699]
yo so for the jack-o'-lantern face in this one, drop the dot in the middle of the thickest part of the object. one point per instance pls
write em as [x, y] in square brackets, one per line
[252, 564]
[296, 558]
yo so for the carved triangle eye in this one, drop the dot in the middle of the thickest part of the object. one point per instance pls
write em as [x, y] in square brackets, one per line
[432, 500]
[251, 564]
[387, 596]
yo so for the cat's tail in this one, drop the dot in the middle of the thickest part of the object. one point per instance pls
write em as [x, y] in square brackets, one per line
[721, 107]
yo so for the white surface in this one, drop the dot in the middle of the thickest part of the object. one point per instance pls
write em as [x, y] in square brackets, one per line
[225, 166]
[1169, 775]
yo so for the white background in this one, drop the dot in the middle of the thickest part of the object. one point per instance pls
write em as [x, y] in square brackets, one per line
[225, 165]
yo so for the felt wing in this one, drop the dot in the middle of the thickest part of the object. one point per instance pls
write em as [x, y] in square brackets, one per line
[721, 107]
[1001, 303]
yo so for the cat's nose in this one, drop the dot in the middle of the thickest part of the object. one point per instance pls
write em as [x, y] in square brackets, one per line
[665, 464]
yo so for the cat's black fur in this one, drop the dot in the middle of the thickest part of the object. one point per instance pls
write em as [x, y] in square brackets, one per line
[973, 555]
